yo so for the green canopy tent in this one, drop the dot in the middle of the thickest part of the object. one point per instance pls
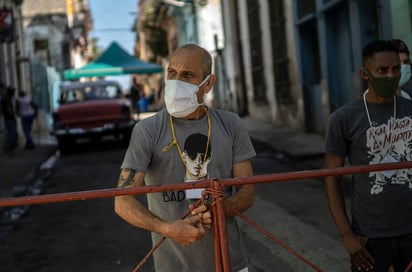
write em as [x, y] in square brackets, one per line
[113, 61]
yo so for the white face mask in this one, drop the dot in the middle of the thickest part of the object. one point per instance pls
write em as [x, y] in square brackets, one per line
[405, 74]
[180, 97]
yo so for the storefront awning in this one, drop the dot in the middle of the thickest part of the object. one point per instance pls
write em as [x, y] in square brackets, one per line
[113, 61]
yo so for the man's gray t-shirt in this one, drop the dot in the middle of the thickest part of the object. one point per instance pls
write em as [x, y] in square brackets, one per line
[229, 144]
[381, 202]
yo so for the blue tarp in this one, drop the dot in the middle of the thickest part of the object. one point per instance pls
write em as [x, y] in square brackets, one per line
[114, 61]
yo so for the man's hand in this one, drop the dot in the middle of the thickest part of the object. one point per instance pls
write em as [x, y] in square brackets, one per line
[186, 231]
[355, 245]
[205, 215]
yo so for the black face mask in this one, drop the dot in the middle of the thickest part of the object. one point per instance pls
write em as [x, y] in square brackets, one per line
[383, 86]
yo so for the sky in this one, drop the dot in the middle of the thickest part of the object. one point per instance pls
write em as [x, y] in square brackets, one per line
[112, 21]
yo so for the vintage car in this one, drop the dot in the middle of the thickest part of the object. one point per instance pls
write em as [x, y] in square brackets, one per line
[91, 110]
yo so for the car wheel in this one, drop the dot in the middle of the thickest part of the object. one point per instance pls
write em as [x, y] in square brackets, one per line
[66, 145]
[95, 139]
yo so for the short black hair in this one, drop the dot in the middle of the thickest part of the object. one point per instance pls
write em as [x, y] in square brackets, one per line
[377, 46]
[196, 144]
[400, 46]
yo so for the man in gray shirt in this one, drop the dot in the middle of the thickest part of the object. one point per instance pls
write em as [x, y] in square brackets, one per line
[187, 141]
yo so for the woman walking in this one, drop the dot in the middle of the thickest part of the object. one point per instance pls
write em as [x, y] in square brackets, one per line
[27, 110]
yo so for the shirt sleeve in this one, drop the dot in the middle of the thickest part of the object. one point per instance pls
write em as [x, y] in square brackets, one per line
[335, 140]
[242, 145]
[138, 153]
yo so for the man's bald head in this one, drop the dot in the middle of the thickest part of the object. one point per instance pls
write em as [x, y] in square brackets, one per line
[206, 57]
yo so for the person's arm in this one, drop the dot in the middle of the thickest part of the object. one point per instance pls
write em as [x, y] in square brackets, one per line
[184, 231]
[17, 104]
[244, 196]
[335, 197]
[35, 108]
[354, 244]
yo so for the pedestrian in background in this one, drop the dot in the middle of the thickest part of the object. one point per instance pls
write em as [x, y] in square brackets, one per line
[135, 97]
[155, 157]
[2, 95]
[2, 91]
[403, 52]
[27, 110]
[9, 115]
[143, 101]
[374, 128]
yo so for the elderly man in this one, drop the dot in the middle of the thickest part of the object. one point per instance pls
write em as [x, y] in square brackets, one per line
[155, 157]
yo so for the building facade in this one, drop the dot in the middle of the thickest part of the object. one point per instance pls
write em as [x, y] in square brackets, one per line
[38, 40]
[292, 63]
[288, 63]
[13, 61]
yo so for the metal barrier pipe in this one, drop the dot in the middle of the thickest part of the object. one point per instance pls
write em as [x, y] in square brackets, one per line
[100, 193]
[222, 238]
[278, 177]
[216, 238]
[409, 267]
[274, 239]
[312, 174]
[150, 253]
[221, 249]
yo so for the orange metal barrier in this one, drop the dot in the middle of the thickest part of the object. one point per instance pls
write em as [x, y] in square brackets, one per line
[409, 267]
[278, 177]
[214, 187]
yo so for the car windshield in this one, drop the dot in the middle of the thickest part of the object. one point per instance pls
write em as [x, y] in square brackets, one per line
[84, 93]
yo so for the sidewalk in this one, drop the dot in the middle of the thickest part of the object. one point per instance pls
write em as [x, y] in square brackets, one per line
[21, 166]
[295, 145]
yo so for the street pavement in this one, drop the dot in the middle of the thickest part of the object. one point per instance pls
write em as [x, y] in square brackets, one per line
[20, 166]
[23, 166]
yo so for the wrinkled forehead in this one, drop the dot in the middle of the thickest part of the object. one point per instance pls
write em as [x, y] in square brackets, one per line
[187, 59]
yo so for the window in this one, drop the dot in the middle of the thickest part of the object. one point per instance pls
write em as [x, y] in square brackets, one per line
[255, 35]
[279, 52]
[306, 7]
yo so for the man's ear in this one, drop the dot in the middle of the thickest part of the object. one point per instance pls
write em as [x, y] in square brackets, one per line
[210, 83]
[185, 156]
[363, 73]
